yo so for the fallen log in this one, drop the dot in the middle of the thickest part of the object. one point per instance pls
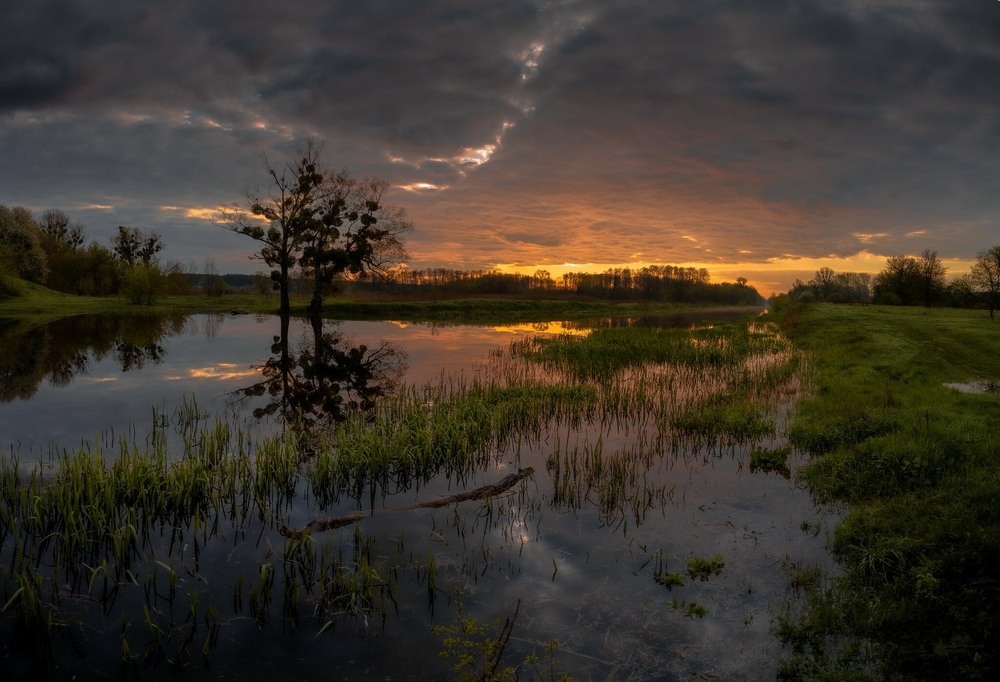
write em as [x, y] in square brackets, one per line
[480, 493]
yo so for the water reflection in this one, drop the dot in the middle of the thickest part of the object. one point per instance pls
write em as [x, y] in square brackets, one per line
[62, 350]
[321, 380]
[147, 559]
[325, 379]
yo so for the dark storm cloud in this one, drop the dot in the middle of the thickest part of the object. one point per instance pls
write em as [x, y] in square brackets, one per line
[604, 130]
[817, 106]
[423, 74]
[448, 83]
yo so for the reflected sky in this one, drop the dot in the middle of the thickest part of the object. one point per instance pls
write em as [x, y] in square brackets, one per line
[205, 361]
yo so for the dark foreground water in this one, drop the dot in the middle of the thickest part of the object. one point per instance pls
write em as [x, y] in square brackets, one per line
[574, 569]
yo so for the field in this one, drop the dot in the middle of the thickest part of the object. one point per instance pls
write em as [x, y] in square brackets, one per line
[916, 461]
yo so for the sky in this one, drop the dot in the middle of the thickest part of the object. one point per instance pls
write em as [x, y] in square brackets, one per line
[754, 138]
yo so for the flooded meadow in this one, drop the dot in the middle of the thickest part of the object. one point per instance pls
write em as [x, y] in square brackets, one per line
[227, 495]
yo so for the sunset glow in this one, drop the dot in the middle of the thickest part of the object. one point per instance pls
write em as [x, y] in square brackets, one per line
[748, 139]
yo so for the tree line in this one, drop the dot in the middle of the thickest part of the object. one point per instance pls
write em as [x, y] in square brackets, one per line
[53, 251]
[668, 283]
[908, 280]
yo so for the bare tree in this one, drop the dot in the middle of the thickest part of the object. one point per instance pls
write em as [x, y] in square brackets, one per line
[132, 247]
[55, 223]
[900, 283]
[214, 285]
[358, 235]
[823, 283]
[985, 276]
[932, 272]
[278, 219]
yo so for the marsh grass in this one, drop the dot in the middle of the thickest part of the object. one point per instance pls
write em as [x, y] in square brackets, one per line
[117, 531]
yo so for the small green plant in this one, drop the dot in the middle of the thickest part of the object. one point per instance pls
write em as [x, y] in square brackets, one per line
[667, 579]
[477, 649]
[702, 569]
[805, 577]
[661, 576]
[767, 460]
[549, 659]
[692, 610]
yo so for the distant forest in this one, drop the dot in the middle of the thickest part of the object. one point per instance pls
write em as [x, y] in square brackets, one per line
[654, 283]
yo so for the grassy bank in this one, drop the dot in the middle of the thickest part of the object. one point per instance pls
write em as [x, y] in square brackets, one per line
[511, 310]
[44, 305]
[917, 461]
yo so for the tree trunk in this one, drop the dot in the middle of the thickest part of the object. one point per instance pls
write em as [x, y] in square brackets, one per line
[285, 307]
[316, 304]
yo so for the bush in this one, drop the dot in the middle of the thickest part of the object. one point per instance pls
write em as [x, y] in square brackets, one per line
[21, 244]
[10, 287]
[143, 282]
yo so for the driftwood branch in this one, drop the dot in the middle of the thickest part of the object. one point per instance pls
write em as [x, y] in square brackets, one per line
[480, 493]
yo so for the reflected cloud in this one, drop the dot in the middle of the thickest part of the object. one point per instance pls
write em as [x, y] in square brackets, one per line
[220, 372]
[554, 328]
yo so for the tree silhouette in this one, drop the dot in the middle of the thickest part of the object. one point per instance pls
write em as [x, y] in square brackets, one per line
[985, 276]
[323, 221]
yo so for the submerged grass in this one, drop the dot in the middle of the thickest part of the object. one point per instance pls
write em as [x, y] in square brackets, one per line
[917, 462]
[125, 530]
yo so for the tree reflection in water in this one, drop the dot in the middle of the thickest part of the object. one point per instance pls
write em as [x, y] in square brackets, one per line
[326, 379]
[66, 348]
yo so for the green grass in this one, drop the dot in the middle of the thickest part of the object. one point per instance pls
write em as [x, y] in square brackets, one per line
[25, 300]
[39, 304]
[918, 464]
[503, 310]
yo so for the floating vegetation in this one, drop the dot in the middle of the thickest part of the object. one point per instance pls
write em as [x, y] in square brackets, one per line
[770, 459]
[661, 576]
[692, 610]
[699, 568]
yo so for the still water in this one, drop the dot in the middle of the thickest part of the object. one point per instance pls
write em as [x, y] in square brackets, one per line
[578, 572]
[102, 377]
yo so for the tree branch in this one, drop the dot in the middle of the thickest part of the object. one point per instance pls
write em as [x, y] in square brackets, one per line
[482, 492]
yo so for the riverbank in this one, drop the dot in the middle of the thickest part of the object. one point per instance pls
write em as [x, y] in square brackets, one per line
[902, 425]
[44, 305]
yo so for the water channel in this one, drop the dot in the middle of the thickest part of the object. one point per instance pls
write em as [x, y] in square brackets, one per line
[559, 558]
